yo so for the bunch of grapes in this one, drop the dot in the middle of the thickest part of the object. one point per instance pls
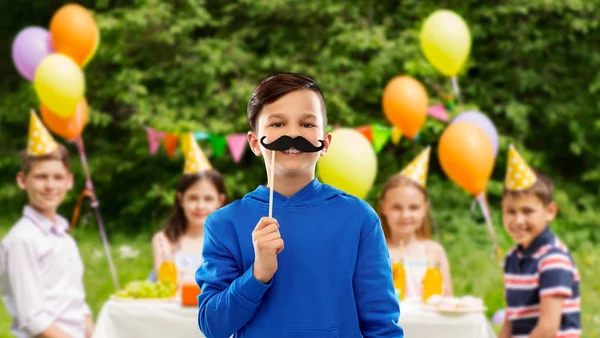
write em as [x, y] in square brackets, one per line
[147, 289]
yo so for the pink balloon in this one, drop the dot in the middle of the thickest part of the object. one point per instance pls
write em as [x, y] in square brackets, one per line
[29, 48]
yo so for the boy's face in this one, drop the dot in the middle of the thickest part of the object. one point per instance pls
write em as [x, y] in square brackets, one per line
[46, 184]
[298, 113]
[526, 216]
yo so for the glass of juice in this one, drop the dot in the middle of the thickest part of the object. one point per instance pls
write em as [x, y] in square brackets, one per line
[399, 278]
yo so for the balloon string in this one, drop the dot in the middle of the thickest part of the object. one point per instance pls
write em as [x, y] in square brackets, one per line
[456, 89]
[488, 220]
[95, 205]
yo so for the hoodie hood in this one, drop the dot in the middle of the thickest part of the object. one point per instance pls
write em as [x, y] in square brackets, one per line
[314, 193]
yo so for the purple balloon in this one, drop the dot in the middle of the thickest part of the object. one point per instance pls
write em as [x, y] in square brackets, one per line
[483, 122]
[498, 317]
[29, 48]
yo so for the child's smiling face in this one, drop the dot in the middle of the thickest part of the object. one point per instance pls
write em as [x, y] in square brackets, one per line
[525, 216]
[298, 113]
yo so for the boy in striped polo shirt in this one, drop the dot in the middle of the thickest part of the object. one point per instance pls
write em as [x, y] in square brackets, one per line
[541, 280]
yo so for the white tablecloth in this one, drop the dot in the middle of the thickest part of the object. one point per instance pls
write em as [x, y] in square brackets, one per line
[149, 319]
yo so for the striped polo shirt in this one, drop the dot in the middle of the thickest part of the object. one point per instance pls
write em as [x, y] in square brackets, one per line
[544, 269]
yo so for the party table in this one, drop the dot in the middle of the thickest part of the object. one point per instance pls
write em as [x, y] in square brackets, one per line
[160, 318]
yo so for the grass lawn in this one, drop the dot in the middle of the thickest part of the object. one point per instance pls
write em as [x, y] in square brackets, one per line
[473, 273]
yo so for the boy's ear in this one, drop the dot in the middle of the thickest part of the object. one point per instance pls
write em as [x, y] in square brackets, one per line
[551, 211]
[254, 144]
[21, 180]
[326, 144]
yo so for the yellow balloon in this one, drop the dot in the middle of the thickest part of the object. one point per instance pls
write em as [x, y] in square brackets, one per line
[350, 164]
[59, 84]
[446, 41]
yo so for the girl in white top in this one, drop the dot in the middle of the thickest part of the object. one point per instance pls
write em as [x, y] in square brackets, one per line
[403, 209]
[181, 240]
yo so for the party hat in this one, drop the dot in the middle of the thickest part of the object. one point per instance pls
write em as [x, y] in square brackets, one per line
[417, 169]
[519, 176]
[195, 160]
[40, 141]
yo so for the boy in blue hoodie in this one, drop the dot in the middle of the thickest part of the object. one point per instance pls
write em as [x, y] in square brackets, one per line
[333, 277]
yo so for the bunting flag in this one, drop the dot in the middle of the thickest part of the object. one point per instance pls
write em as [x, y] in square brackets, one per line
[396, 135]
[201, 135]
[218, 143]
[439, 112]
[170, 142]
[154, 139]
[237, 145]
[367, 132]
[381, 135]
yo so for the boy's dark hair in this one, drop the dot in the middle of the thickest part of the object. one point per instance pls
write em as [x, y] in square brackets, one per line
[543, 188]
[60, 154]
[273, 87]
[177, 223]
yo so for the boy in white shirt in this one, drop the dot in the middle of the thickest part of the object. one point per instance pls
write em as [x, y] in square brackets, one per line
[40, 265]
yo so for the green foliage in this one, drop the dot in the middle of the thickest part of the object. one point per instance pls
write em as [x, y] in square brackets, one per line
[191, 65]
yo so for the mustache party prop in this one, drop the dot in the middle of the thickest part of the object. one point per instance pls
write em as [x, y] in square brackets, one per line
[285, 142]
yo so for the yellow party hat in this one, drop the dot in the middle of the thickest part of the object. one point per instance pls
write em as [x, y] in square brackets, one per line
[519, 176]
[195, 160]
[40, 141]
[417, 169]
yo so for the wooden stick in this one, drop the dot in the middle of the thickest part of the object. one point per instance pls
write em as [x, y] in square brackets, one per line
[271, 181]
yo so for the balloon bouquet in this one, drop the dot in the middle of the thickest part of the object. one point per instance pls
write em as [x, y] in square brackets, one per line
[468, 146]
[53, 61]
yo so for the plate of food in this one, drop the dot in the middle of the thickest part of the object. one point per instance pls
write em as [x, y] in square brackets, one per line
[455, 305]
[146, 291]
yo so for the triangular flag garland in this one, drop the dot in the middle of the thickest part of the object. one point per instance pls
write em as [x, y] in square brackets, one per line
[154, 139]
[439, 112]
[396, 135]
[381, 135]
[378, 135]
[367, 132]
[170, 141]
[237, 145]
[218, 143]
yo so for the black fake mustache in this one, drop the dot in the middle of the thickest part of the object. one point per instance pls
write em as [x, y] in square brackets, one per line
[285, 142]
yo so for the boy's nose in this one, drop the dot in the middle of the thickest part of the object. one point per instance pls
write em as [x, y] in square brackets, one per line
[293, 132]
[520, 219]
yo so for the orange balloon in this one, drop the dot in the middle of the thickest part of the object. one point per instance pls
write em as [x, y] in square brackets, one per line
[467, 156]
[74, 33]
[405, 104]
[68, 128]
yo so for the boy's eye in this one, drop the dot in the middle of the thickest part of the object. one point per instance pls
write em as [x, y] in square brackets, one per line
[277, 124]
[308, 125]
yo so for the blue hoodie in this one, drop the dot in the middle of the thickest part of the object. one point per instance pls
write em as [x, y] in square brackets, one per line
[334, 276]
